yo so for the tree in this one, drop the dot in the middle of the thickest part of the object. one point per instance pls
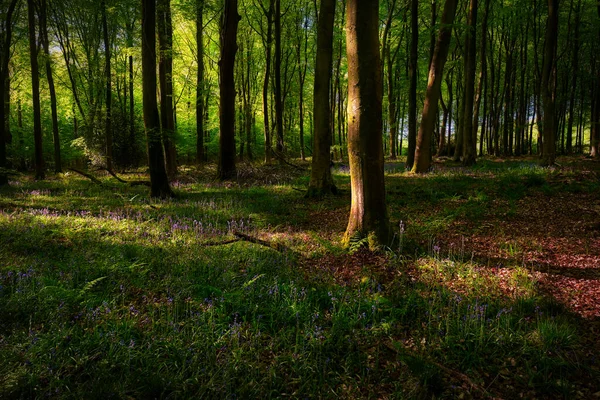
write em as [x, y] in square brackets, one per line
[412, 91]
[549, 137]
[108, 74]
[229, 24]
[165, 72]
[158, 174]
[430, 107]
[5, 43]
[469, 141]
[35, 90]
[200, 156]
[278, 91]
[321, 181]
[368, 212]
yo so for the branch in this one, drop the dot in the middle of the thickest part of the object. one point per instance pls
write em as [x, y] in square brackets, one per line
[90, 177]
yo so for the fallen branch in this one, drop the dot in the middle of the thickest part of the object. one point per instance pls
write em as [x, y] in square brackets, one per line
[90, 177]
[131, 183]
[275, 246]
[282, 158]
[210, 244]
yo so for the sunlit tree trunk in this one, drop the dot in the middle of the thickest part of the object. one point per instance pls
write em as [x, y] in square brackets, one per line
[158, 174]
[108, 76]
[368, 212]
[430, 106]
[321, 182]
[469, 142]
[229, 24]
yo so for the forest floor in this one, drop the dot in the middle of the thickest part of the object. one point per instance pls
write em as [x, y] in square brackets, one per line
[491, 289]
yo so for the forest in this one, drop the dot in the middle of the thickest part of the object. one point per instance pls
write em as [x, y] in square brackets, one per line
[300, 198]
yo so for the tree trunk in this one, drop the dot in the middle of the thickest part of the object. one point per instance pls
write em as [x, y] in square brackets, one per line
[321, 182]
[35, 90]
[5, 43]
[368, 212]
[200, 156]
[158, 175]
[575, 69]
[108, 76]
[412, 91]
[229, 24]
[278, 92]
[430, 107]
[549, 155]
[470, 144]
[165, 71]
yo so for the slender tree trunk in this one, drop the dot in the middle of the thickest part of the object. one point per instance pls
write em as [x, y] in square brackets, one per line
[482, 78]
[229, 24]
[35, 90]
[108, 77]
[595, 126]
[368, 212]
[430, 107]
[158, 174]
[50, 78]
[321, 182]
[265, 93]
[278, 92]
[165, 71]
[548, 85]
[412, 91]
[5, 43]
[200, 156]
[470, 144]
[575, 69]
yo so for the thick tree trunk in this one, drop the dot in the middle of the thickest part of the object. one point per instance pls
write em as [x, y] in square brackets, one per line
[368, 212]
[229, 24]
[158, 174]
[35, 90]
[430, 107]
[412, 91]
[549, 155]
[321, 182]
[165, 71]
[200, 156]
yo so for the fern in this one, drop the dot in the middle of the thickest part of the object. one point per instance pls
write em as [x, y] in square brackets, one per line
[90, 285]
[356, 242]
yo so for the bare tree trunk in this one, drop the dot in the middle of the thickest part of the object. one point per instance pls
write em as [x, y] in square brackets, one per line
[35, 90]
[165, 71]
[229, 24]
[430, 107]
[108, 77]
[470, 144]
[278, 92]
[548, 85]
[158, 174]
[412, 91]
[368, 212]
[321, 182]
[200, 156]
[5, 43]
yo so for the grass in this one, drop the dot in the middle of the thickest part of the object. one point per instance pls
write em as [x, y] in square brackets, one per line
[107, 294]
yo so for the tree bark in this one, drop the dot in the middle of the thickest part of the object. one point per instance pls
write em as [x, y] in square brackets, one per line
[158, 174]
[5, 42]
[229, 24]
[469, 143]
[368, 212]
[412, 91]
[321, 182]
[430, 107]
[107, 71]
[35, 90]
[200, 156]
[165, 71]
[278, 92]
[549, 155]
